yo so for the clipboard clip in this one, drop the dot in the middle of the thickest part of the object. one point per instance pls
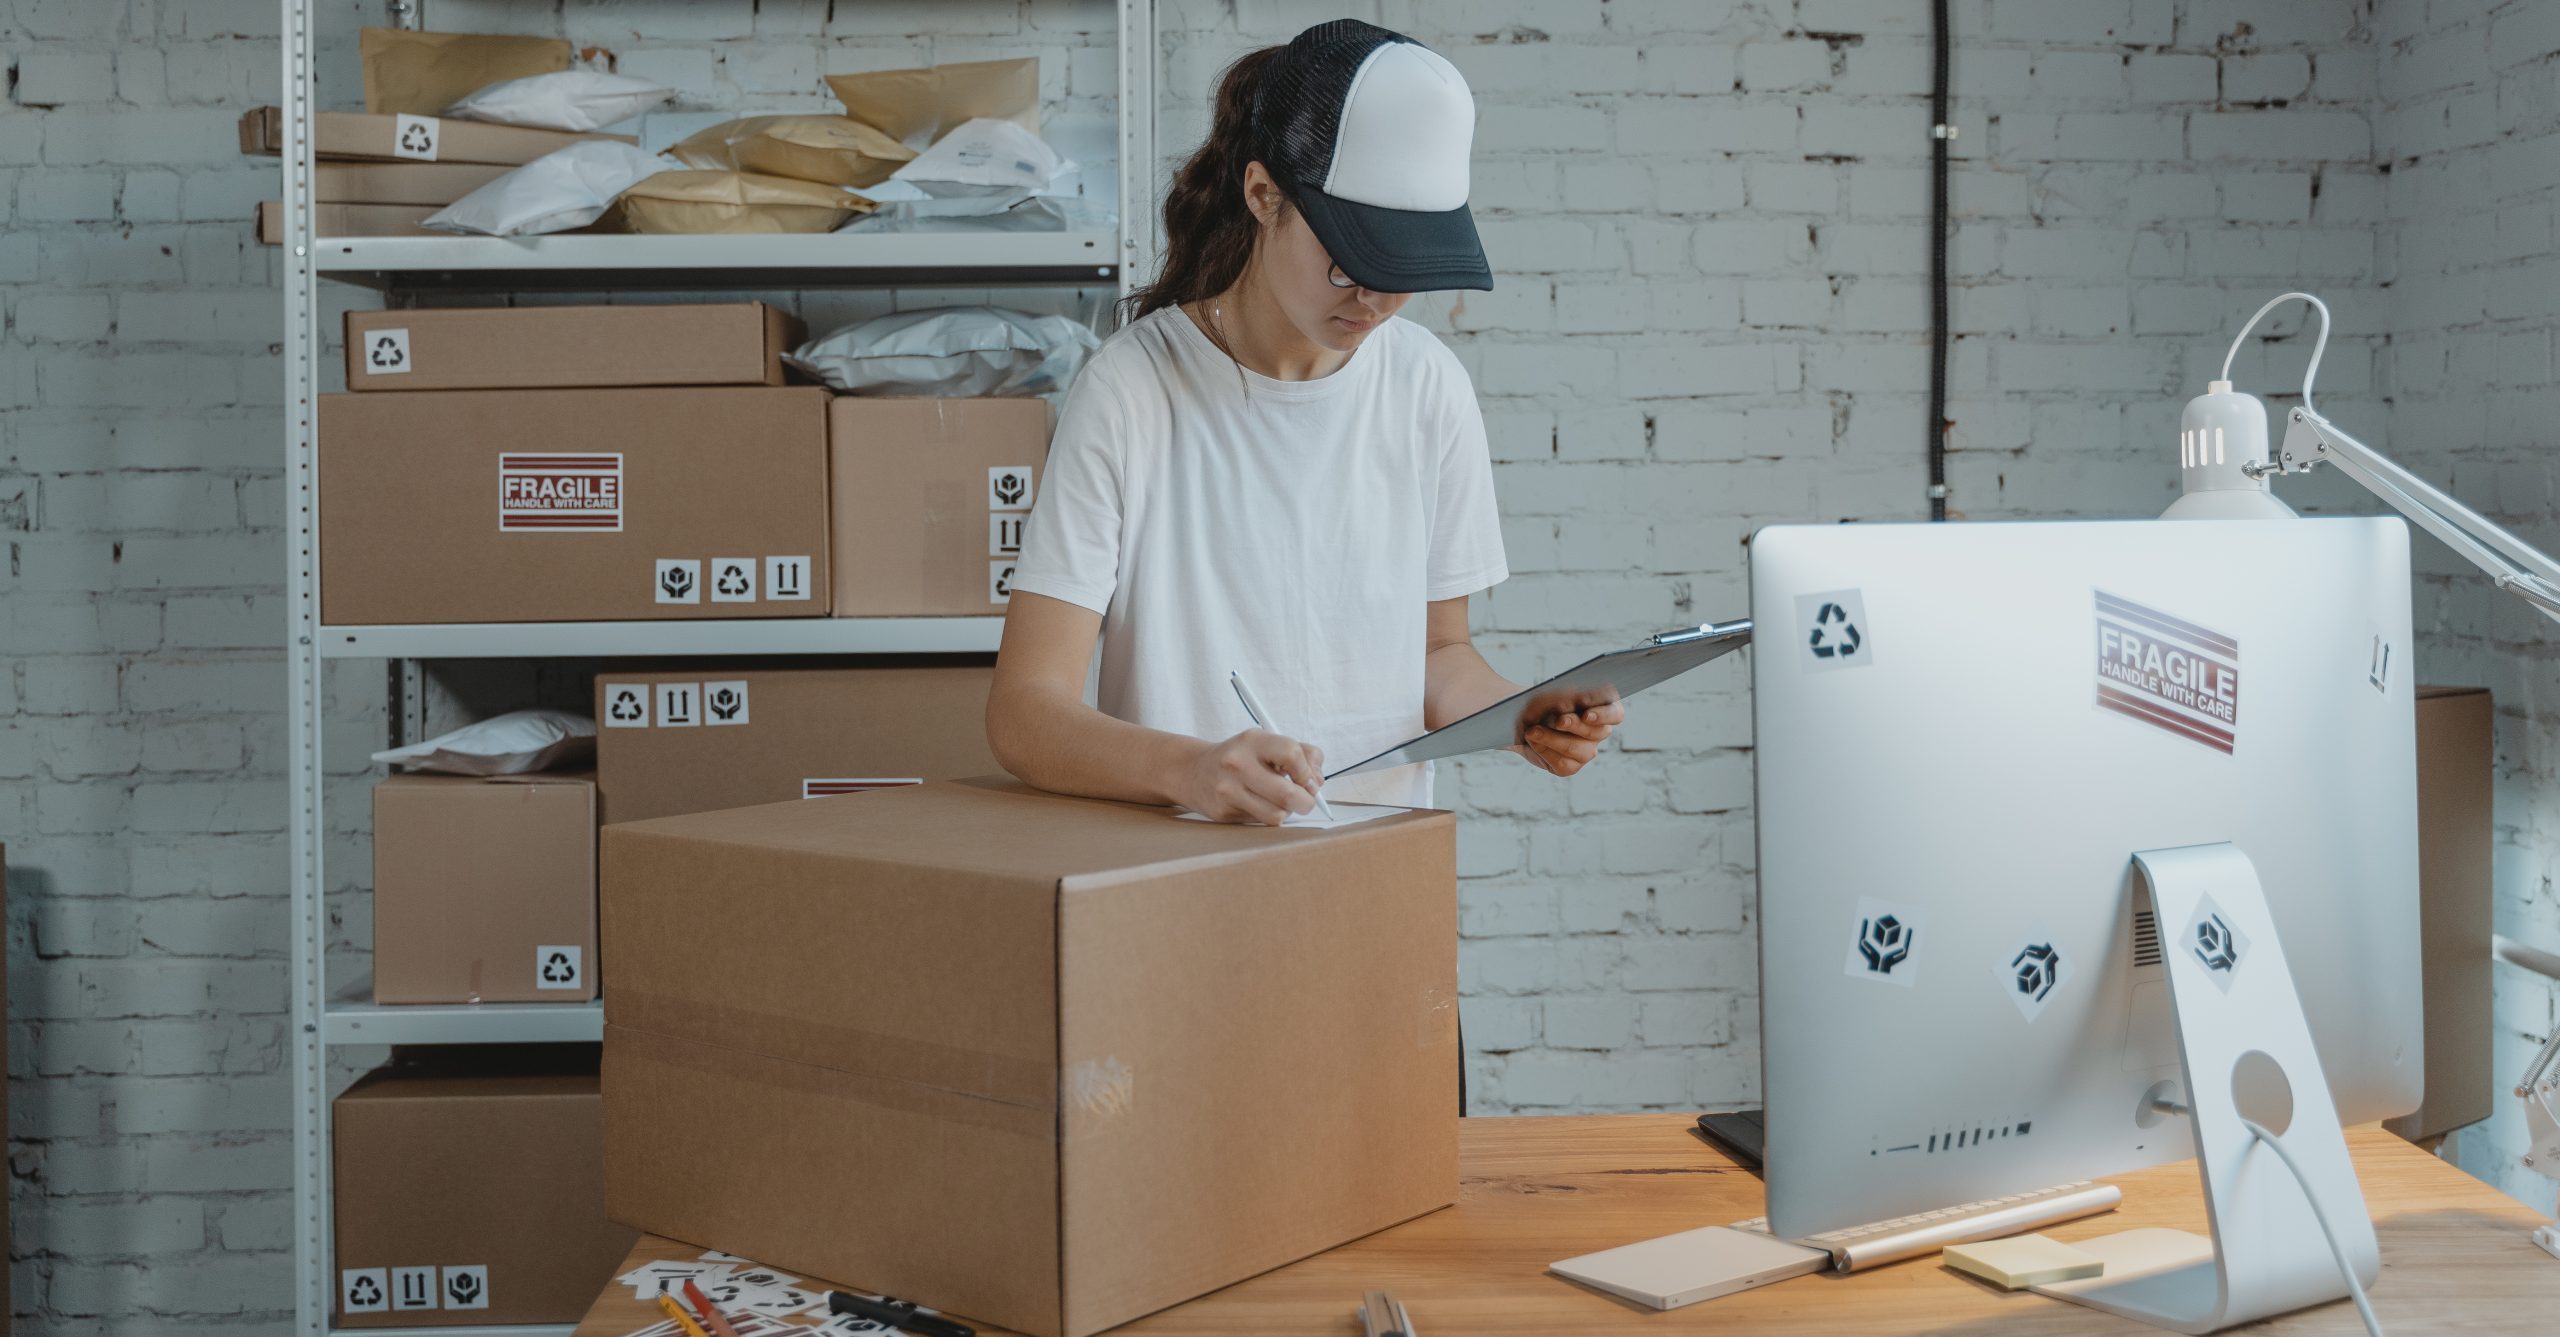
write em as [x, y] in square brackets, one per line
[1704, 629]
[1382, 1315]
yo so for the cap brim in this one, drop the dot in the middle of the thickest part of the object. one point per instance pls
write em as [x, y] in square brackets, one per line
[1398, 250]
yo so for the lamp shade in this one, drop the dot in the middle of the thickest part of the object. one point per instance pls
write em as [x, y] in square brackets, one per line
[2221, 432]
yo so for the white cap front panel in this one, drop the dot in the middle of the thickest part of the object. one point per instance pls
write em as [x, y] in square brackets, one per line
[1407, 126]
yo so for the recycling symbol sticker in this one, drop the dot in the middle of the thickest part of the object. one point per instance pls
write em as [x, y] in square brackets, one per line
[414, 137]
[559, 967]
[386, 352]
[364, 1290]
[733, 580]
[1884, 943]
[626, 705]
[1832, 627]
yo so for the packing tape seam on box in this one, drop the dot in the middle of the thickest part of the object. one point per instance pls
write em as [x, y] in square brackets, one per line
[1025, 1074]
[731, 1065]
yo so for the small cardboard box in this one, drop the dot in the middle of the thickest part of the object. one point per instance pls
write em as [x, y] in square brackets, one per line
[472, 1195]
[349, 220]
[547, 347]
[573, 505]
[400, 182]
[2456, 740]
[717, 737]
[389, 138]
[484, 891]
[1044, 1062]
[930, 499]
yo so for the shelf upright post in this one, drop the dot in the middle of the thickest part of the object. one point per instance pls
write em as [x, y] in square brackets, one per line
[1137, 144]
[305, 1045]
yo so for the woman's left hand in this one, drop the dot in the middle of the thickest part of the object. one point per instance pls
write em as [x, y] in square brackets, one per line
[1568, 740]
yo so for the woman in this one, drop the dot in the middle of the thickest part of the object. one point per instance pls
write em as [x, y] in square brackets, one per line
[1267, 472]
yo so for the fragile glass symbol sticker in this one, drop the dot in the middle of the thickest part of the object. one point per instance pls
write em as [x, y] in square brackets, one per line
[1832, 631]
[2033, 971]
[1884, 943]
[562, 967]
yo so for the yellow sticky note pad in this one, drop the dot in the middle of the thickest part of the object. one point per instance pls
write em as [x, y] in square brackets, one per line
[2022, 1261]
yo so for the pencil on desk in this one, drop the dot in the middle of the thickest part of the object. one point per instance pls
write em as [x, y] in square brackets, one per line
[710, 1313]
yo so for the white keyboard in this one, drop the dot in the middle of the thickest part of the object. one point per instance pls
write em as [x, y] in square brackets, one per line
[1879, 1242]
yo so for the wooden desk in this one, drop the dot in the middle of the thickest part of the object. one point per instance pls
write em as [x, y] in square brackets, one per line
[2454, 1252]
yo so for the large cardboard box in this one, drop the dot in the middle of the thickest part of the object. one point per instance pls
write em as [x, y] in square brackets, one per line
[472, 1194]
[484, 891]
[2456, 742]
[355, 134]
[1044, 1062]
[349, 220]
[400, 182]
[543, 347]
[713, 737]
[573, 505]
[930, 499]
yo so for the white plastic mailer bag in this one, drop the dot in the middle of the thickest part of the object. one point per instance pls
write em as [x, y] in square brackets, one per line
[516, 743]
[953, 352]
[985, 157]
[560, 190]
[568, 100]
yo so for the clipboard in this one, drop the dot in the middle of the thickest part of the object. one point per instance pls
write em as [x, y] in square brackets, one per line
[1595, 681]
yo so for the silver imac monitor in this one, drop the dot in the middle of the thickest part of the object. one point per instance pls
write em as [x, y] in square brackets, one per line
[1964, 733]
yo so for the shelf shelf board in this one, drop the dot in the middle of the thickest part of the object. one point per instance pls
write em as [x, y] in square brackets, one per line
[709, 636]
[353, 1018]
[505, 1330]
[809, 260]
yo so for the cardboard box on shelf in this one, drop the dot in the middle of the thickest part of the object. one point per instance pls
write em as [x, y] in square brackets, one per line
[394, 138]
[437, 183]
[349, 220]
[537, 347]
[717, 737]
[2457, 737]
[469, 1191]
[1102, 1059]
[930, 500]
[484, 891]
[573, 505]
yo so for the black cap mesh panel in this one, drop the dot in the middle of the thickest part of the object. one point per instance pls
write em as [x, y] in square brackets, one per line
[1298, 109]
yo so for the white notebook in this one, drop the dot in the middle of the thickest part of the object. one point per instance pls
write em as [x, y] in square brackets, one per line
[1693, 1265]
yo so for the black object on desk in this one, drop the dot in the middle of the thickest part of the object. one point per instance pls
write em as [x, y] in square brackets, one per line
[898, 1314]
[1741, 1132]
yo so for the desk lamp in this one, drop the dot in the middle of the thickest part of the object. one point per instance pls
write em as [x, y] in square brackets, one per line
[2223, 473]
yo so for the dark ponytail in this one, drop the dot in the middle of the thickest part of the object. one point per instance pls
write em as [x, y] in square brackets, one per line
[1208, 232]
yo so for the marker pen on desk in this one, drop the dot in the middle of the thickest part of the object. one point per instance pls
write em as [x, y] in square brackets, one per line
[897, 1314]
[1262, 720]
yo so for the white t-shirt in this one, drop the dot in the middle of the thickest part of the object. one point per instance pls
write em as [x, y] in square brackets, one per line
[1292, 531]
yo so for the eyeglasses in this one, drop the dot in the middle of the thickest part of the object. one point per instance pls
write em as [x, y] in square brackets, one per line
[1337, 278]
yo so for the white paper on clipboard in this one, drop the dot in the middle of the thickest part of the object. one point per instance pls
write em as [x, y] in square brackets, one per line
[1596, 681]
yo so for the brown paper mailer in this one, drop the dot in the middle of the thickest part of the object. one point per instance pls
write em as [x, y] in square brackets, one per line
[912, 530]
[694, 201]
[437, 183]
[363, 137]
[349, 220]
[917, 107]
[1103, 1059]
[422, 73]
[835, 150]
[560, 347]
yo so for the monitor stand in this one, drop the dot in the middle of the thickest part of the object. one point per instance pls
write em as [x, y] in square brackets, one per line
[2245, 1052]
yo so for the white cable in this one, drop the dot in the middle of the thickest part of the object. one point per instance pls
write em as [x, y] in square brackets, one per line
[2317, 348]
[2355, 1288]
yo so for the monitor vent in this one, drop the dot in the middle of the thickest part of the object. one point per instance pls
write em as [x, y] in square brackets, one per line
[2146, 939]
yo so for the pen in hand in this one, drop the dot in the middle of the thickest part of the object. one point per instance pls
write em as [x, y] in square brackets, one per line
[1262, 720]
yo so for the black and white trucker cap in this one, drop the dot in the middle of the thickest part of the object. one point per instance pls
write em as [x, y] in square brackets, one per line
[1369, 131]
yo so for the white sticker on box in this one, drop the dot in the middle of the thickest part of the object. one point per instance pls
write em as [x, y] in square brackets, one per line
[999, 582]
[679, 705]
[560, 493]
[786, 578]
[364, 1290]
[679, 581]
[563, 967]
[1004, 534]
[467, 1287]
[813, 787]
[1009, 487]
[733, 580]
[724, 702]
[415, 136]
[413, 1288]
[386, 352]
[626, 705]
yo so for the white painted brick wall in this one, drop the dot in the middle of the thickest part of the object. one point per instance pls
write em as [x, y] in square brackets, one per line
[1707, 221]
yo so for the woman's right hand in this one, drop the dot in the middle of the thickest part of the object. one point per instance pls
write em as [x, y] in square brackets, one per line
[1256, 776]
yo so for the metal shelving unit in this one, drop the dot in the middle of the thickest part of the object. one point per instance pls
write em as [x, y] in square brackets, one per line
[324, 1020]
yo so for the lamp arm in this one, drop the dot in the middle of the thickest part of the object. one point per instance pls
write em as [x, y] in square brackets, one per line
[2518, 567]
